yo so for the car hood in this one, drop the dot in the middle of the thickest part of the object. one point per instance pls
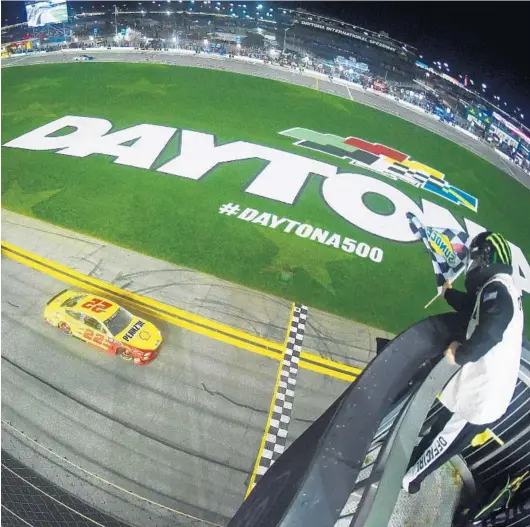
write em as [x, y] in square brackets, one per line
[141, 334]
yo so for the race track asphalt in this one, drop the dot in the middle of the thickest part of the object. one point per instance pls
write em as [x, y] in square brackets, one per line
[183, 431]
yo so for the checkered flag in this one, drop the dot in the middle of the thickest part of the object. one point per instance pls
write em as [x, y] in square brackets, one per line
[449, 249]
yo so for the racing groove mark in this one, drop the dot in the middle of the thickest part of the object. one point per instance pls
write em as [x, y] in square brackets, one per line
[179, 317]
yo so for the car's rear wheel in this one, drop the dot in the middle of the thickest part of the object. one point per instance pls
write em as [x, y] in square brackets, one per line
[125, 354]
[65, 328]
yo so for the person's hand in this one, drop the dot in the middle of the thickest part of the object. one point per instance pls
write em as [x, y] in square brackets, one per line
[450, 352]
[447, 285]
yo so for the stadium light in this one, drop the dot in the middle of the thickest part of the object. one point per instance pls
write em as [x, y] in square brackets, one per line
[446, 65]
[484, 86]
[522, 116]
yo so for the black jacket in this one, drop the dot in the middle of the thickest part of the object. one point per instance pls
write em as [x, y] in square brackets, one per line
[496, 312]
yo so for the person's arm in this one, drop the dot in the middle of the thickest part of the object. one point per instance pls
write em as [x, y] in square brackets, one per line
[459, 301]
[495, 313]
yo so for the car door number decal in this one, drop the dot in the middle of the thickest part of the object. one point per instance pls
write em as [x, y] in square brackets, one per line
[98, 339]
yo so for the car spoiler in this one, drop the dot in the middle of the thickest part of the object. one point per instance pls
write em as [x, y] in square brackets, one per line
[56, 296]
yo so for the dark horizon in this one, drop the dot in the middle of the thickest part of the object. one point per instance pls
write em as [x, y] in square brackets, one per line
[490, 41]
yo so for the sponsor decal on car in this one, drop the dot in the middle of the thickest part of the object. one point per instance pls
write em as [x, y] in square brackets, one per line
[134, 329]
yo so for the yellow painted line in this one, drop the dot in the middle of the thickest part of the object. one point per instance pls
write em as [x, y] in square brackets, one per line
[311, 357]
[271, 410]
[179, 317]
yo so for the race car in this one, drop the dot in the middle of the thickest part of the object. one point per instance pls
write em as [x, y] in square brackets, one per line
[104, 324]
[81, 58]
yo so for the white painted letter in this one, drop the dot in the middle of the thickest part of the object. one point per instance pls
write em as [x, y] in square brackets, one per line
[281, 180]
[521, 269]
[319, 235]
[292, 224]
[304, 230]
[87, 129]
[263, 219]
[150, 140]
[275, 222]
[248, 214]
[344, 193]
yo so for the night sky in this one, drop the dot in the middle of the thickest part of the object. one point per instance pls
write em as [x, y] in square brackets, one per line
[490, 41]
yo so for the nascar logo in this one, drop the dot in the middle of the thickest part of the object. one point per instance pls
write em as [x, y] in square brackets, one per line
[383, 160]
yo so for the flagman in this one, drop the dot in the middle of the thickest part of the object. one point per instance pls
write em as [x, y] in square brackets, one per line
[480, 392]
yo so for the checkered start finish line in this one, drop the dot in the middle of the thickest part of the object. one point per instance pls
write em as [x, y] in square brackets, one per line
[276, 434]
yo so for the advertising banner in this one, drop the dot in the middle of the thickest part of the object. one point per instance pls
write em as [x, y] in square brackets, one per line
[46, 12]
[351, 34]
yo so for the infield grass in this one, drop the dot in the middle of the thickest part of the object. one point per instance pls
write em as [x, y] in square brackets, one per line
[177, 220]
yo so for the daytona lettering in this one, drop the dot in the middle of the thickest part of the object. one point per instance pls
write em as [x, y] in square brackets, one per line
[303, 230]
[282, 179]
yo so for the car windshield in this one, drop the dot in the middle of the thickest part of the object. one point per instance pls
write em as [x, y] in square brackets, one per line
[119, 321]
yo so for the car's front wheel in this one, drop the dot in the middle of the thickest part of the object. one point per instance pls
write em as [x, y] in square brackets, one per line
[125, 354]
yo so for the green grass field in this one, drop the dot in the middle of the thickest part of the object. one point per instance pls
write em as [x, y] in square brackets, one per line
[177, 219]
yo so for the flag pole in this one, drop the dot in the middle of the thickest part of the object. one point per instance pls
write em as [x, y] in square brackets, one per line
[450, 281]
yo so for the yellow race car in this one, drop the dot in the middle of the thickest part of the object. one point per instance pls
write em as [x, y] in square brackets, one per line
[104, 324]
